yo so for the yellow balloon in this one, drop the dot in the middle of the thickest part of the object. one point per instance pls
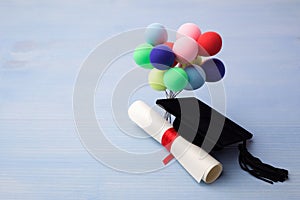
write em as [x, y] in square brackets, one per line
[156, 79]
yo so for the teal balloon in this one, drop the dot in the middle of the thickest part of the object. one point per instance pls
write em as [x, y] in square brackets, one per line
[196, 77]
[156, 34]
[175, 79]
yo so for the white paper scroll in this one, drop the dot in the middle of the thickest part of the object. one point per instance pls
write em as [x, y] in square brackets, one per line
[195, 160]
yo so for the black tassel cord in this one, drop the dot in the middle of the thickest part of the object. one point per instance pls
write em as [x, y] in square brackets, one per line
[260, 170]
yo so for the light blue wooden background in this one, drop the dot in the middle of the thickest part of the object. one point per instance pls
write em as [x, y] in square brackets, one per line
[43, 43]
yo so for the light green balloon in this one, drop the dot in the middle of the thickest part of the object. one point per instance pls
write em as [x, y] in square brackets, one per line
[156, 79]
[175, 79]
[141, 55]
[197, 61]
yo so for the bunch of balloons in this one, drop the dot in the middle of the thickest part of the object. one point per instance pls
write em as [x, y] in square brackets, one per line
[182, 64]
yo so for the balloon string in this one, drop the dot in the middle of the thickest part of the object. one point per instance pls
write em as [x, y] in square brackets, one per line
[170, 95]
[174, 94]
[167, 115]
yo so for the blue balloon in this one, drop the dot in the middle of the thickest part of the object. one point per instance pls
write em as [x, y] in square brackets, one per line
[214, 69]
[196, 77]
[162, 57]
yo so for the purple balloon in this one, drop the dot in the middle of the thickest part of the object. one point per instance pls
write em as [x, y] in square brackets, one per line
[162, 57]
[214, 69]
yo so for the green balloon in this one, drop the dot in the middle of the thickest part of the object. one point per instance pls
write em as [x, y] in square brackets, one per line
[175, 79]
[141, 56]
[156, 79]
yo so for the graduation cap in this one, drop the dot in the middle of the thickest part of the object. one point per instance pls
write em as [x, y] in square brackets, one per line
[207, 128]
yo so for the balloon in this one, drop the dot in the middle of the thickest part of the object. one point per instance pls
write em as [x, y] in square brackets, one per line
[197, 61]
[190, 30]
[171, 44]
[162, 57]
[156, 79]
[214, 69]
[186, 49]
[196, 77]
[175, 79]
[141, 56]
[210, 43]
[156, 34]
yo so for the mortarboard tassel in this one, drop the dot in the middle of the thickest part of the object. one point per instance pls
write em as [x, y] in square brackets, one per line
[257, 168]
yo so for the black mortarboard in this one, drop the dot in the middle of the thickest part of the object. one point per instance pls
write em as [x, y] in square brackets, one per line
[209, 129]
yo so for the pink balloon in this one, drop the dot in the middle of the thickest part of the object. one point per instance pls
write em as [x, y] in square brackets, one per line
[190, 30]
[185, 49]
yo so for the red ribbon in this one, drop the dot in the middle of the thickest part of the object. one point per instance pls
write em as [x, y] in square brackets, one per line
[167, 139]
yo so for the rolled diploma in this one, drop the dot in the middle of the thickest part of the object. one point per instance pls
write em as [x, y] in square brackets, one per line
[195, 160]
